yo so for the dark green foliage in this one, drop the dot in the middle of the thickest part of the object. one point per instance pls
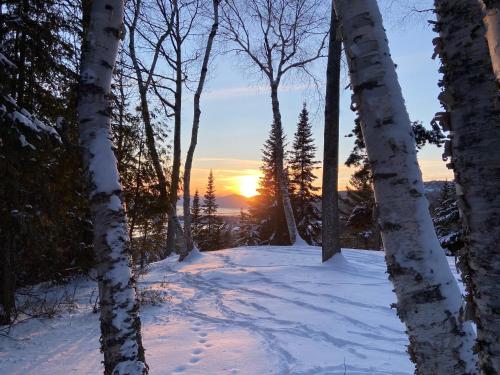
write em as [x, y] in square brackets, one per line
[196, 217]
[446, 218]
[303, 192]
[212, 228]
[358, 206]
[248, 234]
[265, 208]
[45, 229]
[145, 213]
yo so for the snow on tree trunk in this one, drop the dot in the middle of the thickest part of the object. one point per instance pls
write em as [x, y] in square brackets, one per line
[429, 300]
[120, 325]
[330, 195]
[293, 234]
[471, 97]
[194, 132]
[492, 22]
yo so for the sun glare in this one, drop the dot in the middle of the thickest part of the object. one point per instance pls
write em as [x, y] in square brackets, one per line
[248, 185]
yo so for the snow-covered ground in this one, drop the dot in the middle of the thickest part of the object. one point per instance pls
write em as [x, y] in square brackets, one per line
[253, 310]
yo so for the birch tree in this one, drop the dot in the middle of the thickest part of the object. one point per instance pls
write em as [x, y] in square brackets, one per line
[471, 98]
[195, 127]
[120, 325]
[429, 301]
[278, 37]
[492, 22]
[330, 196]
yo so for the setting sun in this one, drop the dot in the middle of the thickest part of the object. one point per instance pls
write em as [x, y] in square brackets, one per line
[248, 185]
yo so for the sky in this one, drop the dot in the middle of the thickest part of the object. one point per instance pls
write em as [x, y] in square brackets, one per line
[236, 110]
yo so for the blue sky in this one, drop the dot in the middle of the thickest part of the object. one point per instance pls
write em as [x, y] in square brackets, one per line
[236, 109]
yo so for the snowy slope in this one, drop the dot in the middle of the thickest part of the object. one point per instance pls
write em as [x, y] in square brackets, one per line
[254, 310]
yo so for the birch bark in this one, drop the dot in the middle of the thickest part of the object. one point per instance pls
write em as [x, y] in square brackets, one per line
[492, 22]
[429, 300]
[471, 97]
[120, 325]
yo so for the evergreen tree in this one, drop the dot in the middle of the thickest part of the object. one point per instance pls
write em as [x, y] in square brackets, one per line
[265, 208]
[446, 218]
[248, 234]
[42, 189]
[303, 192]
[196, 217]
[212, 227]
[358, 206]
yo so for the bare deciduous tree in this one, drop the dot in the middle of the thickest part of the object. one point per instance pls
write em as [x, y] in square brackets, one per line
[144, 84]
[194, 131]
[278, 37]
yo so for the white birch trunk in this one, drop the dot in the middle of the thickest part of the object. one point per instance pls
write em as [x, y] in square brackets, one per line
[120, 324]
[471, 97]
[492, 23]
[429, 300]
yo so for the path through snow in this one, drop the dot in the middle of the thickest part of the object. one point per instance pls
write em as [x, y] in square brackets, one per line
[244, 311]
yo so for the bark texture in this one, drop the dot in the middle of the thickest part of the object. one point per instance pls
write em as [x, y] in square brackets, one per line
[194, 131]
[120, 325]
[429, 301]
[492, 23]
[293, 234]
[143, 86]
[471, 98]
[330, 202]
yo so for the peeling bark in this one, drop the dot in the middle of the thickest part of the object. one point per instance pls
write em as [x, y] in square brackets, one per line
[429, 300]
[120, 325]
[330, 196]
[471, 97]
[492, 23]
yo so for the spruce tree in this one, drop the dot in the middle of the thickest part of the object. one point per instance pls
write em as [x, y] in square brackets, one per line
[248, 234]
[303, 192]
[446, 218]
[212, 227]
[196, 217]
[265, 208]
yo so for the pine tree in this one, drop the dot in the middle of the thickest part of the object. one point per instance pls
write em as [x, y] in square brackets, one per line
[212, 227]
[248, 234]
[446, 218]
[303, 192]
[196, 217]
[265, 208]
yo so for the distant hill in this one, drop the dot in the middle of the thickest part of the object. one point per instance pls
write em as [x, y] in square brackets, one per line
[232, 201]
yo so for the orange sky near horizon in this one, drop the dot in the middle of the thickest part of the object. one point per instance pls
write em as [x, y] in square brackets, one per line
[237, 176]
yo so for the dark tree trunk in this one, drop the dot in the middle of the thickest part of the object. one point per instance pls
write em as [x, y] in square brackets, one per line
[194, 132]
[330, 196]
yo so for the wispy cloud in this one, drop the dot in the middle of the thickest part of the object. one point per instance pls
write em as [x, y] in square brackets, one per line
[246, 91]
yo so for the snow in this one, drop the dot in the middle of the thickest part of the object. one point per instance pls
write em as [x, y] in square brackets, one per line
[250, 310]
